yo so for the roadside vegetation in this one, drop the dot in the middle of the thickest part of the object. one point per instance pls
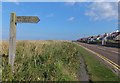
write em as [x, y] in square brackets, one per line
[0, 61]
[52, 61]
[44, 61]
[97, 70]
[0, 73]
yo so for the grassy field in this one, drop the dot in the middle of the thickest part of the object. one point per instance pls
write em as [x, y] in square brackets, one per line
[51, 60]
[43, 60]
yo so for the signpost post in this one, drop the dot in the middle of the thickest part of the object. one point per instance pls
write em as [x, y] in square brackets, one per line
[12, 38]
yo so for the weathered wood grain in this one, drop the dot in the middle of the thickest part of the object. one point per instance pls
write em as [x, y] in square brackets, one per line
[12, 39]
[27, 19]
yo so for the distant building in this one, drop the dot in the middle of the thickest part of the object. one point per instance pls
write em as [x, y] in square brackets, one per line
[92, 39]
[117, 38]
[107, 37]
[100, 37]
[104, 39]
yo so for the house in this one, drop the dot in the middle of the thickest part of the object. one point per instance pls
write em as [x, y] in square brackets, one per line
[115, 35]
[100, 37]
[105, 38]
[82, 40]
[110, 37]
[117, 38]
[92, 39]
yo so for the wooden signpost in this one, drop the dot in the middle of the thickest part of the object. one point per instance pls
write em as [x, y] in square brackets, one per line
[12, 38]
[27, 19]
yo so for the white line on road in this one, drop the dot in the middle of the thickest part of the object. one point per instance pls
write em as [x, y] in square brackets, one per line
[115, 52]
[110, 51]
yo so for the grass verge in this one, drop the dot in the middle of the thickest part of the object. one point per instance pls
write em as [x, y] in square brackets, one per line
[97, 70]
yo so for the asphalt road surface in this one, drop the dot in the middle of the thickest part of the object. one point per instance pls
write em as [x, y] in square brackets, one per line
[110, 53]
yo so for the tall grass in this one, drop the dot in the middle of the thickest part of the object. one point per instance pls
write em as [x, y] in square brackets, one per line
[52, 61]
[42, 60]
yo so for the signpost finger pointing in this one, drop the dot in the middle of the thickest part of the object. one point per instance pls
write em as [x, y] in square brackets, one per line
[27, 19]
[12, 38]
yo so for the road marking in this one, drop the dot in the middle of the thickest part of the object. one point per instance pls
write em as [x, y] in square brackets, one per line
[116, 66]
[105, 49]
[101, 48]
[115, 52]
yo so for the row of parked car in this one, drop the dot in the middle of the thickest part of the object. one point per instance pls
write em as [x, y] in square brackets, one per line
[113, 37]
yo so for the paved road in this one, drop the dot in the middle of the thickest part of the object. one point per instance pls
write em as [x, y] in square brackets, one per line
[108, 52]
